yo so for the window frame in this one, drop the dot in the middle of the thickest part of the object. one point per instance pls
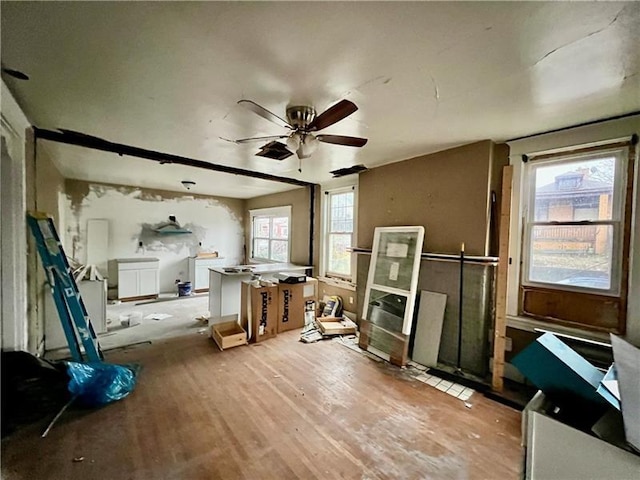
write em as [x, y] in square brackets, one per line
[617, 221]
[270, 213]
[585, 314]
[326, 234]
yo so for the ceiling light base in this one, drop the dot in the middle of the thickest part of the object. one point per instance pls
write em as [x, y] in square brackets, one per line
[188, 184]
[300, 116]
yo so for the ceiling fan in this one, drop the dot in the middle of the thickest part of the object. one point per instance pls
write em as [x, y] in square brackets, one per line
[302, 123]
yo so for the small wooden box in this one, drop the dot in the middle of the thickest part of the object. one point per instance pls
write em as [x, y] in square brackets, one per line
[336, 326]
[228, 334]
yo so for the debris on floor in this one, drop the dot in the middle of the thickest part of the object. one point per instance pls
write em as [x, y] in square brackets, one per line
[130, 319]
[157, 316]
[330, 323]
[97, 384]
[311, 335]
[580, 396]
[336, 326]
[33, 388]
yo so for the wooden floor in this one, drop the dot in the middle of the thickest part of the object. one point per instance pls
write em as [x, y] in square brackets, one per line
[281, 409]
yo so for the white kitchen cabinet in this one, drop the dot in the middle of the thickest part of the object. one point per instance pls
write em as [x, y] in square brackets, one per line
[137, 277]
[94, 296]
[199, 271]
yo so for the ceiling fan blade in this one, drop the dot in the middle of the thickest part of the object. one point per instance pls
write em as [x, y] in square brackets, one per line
[259, 139]
[333, 114]
[343, 140]
[264, 113]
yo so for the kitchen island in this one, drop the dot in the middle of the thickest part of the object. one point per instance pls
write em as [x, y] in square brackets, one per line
[224, 284]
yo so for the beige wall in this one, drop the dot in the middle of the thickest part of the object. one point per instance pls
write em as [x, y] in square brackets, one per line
[447, 192]
[299, 199]
[349, 296]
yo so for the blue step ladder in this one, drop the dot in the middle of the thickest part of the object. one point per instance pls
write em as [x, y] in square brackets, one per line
[71, 310]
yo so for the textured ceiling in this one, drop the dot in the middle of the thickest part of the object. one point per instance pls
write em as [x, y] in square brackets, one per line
[426, 76]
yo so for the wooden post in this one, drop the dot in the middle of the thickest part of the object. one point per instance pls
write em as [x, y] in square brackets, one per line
[500, 327]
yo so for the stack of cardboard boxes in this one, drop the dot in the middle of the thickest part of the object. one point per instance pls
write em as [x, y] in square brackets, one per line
[270, 308]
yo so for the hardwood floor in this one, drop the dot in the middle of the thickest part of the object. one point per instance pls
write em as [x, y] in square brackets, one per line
[280, 409]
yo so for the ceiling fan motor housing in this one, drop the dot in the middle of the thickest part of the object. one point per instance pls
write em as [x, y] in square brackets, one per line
[300, 117]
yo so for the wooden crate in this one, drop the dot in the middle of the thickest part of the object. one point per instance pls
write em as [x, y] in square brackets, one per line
[228, 334]
[336, 326]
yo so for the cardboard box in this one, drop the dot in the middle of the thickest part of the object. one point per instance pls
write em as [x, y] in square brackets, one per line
[292, 299]
[227, 332]
[259, 311]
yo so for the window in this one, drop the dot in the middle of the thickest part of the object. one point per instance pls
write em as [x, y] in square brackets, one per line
[270, 234]
[339, 227]
[575, 219]
[576, 237]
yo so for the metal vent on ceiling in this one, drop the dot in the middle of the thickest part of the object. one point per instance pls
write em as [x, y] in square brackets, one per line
[341, 172]
[275, 150]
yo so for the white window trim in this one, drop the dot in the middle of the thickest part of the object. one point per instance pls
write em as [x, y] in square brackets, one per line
[15, 316]
[324, 249]
[562, 141]
[621, 155]
[284, 211]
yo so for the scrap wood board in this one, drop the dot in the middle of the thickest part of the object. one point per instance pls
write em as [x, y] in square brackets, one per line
[500, 327]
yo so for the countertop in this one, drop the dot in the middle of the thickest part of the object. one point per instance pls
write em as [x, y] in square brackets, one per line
[136, 260]
[259, 268]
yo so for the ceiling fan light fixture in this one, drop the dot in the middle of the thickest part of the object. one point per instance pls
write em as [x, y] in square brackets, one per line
[308, 145]
[303, 122]
[293, 142]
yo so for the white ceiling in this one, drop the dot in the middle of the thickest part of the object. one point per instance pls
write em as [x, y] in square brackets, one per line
[426, 76]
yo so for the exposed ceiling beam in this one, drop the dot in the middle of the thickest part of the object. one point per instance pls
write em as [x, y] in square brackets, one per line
[89, 141]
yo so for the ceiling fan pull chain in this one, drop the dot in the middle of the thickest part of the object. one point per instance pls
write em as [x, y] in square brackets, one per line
[299, 165]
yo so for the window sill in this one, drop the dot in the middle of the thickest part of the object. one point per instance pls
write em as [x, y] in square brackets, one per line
[530, 324]
[264, 261]
[338, 283]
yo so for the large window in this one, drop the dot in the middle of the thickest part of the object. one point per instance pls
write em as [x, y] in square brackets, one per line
[576, 237]
[270, 234]
[575, 222]
[339, 227]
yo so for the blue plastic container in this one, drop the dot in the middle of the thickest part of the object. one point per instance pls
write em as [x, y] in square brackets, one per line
[184, 289]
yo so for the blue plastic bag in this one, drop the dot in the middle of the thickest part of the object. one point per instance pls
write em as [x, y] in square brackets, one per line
[97, 384]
